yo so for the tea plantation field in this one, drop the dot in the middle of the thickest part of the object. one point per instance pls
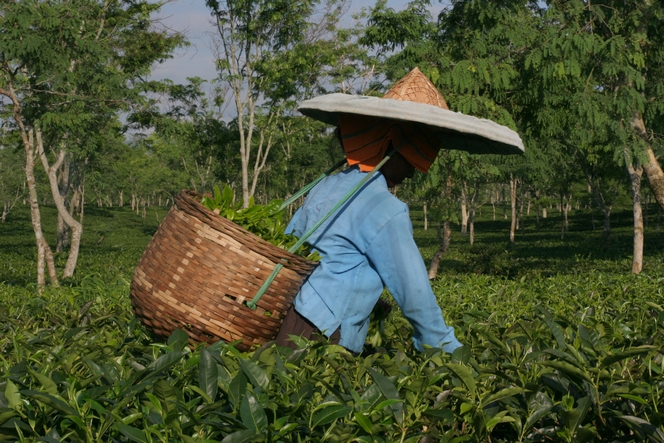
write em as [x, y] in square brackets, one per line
[562, 345]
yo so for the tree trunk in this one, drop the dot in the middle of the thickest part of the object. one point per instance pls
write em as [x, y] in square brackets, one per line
[63, 231]
[635, 175]
[62, 236]
[44, 255]
[75, 226]
[426, 220]
[564, 208]
[464, 209]
[513, 185]
[472, 208]
[121, 199]
[652, 167]
[5, 210]
[606, 208]
[445, 243]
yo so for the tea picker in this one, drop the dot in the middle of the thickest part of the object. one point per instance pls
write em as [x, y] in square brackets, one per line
[215, 280]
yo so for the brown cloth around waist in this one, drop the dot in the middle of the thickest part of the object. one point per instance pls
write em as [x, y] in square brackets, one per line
[295, 324]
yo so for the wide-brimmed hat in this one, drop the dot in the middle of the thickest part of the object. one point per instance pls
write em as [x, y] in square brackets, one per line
[415, 99]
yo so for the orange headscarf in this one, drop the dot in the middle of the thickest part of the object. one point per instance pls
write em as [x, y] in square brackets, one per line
[366, 140]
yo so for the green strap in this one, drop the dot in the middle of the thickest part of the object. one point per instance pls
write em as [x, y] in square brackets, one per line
[296, 246]
[307, 188]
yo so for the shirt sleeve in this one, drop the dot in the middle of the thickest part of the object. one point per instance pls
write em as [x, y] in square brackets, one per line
[397, 260]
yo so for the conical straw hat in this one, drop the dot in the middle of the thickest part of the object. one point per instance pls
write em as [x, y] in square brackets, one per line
[416, 87]
[414, 98]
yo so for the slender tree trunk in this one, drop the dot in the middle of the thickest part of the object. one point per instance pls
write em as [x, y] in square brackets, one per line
[447, 231]
[544, 212]
[472, 208]
[513, 186]
[62, 237]
[9, 204]
[464, 208]
[75, 226]
[63, 231]
[426, 220]
[652, 168]
[564, 209]
[606, 208]
[635, 174]
[445, 243]
[44, 254]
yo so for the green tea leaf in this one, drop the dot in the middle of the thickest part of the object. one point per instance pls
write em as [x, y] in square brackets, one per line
[363, 421]
[255, 374]
[553, 326]
[502, 394]
[166, 361]
[627, 353]
[329, 414]
[237, 388]
[243, 436]
[12, 395]
[178, 340]
[252, 413]
[573, 418]
[644, 426]
[208, 374]
[227, 196]
[165, 392]
[389, 390]
[48, 384]
[465, 375]
[446, 415]
[131, 432]
[6, 415]
[50, 400]
[567, 368]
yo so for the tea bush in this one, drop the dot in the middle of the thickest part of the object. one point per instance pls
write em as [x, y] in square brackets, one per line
[567, 352]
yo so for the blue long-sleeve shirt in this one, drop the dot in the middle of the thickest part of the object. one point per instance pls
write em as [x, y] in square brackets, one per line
[366, 245]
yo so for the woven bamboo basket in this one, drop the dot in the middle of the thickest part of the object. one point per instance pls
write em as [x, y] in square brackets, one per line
[200, 269]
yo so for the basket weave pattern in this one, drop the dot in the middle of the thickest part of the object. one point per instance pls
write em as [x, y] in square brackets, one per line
[200, 269]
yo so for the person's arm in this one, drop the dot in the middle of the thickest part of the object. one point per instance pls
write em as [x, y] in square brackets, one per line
[395, 256]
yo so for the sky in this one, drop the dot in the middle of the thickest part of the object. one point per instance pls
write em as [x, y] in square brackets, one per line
[193, 19]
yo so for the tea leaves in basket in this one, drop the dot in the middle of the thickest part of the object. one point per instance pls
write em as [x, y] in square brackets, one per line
[265, 221]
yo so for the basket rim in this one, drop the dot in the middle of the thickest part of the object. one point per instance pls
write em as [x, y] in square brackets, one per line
[187, 202]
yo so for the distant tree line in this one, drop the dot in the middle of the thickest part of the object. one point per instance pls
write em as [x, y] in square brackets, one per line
[583, 84]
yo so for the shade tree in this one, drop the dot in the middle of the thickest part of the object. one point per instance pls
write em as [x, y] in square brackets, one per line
[271, 54]
[68, 67]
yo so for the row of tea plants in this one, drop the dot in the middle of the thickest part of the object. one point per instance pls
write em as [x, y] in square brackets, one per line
[571, 358]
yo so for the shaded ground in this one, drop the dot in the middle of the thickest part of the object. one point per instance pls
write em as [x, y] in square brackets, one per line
[119, 235]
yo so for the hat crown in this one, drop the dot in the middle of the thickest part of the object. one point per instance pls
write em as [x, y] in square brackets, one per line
[416, 87]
